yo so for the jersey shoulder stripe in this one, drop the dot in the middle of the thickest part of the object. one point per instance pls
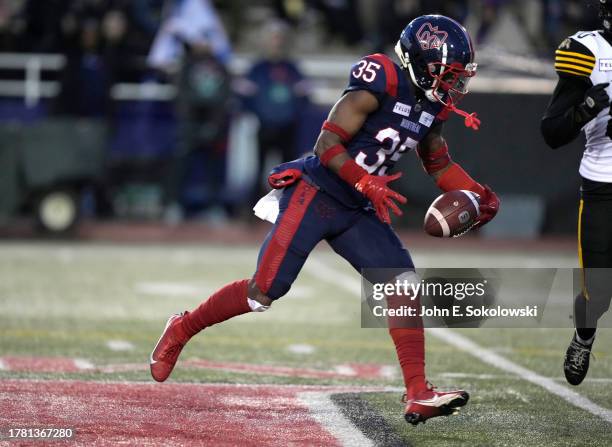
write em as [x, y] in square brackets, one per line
[573, 58]
[575, 55]
[390, 72]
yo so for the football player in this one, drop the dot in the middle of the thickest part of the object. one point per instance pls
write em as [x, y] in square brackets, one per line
[341, 193]
[581, 101]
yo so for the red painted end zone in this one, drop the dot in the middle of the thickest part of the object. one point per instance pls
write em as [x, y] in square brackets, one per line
[168, 414]
[68, 365]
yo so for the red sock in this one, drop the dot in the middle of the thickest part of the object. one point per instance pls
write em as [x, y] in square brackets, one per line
[228, 302]
[408, 337]
[410, 347]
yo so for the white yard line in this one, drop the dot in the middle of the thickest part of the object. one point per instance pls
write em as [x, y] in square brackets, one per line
[388, 371]
[321, 270]
[302, 349]
[345, 370]
[352, 284]
[487, 356]
[83, 364]
[119, 345]
[325, 412]
[169, 289]
[458, 375]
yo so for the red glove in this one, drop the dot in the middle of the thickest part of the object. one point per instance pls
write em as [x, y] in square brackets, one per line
[489, 205]
[375, 188]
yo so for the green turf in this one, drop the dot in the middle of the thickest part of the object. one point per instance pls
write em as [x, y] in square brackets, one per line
[69, 300]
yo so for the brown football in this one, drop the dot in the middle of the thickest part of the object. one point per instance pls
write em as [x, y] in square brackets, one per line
[452, 213]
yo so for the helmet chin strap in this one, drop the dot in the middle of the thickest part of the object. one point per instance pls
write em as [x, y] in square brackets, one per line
[471, 119]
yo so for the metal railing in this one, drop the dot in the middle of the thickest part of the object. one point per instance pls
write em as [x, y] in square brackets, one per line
[328, 73]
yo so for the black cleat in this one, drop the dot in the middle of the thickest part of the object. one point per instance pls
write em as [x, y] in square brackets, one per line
[576, 363]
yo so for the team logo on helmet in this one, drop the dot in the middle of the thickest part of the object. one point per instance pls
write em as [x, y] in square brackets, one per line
[430, 38]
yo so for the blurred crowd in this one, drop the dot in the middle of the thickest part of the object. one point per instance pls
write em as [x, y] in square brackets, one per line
[65, 25]
[377, 24]
[188, 44]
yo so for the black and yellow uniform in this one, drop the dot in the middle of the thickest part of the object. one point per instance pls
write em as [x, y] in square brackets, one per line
[581, 102]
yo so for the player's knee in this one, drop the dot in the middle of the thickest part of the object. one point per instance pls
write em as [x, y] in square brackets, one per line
[258, 301]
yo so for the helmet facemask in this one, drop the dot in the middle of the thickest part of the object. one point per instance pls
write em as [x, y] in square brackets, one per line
[450, 82]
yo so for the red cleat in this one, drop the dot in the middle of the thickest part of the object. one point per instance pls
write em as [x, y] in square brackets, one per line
[168, 347]
[431, 403]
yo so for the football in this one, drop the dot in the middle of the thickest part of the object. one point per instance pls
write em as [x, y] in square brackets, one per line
[452, 214]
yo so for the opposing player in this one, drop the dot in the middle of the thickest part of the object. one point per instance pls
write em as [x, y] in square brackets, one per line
[581, 101]
[341, 193]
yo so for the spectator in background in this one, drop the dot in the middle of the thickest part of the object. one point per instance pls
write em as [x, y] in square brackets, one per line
[84, 79]
[392, 17]
[291, 11]
[489, 15]
[147, 15]
[203, 107]
[276, 92]
[188, 21]
[12, 24]
[342, 19]
[43, 21]
[94, 61]
[192, 44]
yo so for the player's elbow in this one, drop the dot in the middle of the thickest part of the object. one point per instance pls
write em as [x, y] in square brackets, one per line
[319, 150]
[325, 141]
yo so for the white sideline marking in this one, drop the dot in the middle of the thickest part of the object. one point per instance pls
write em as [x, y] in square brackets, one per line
[83, 364]
[353, 286]
[458, 375]
[119, 345]
[301, 292]
[496, 360]
[168, 289]
[388, 371]
[345, 370]
[594, 379]
[325, 412]
[320, 270]
[301, 349]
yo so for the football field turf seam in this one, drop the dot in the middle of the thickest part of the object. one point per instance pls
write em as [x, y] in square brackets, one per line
[352, 285]
[325, 412]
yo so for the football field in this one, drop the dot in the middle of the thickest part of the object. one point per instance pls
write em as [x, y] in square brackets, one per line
[78, 322]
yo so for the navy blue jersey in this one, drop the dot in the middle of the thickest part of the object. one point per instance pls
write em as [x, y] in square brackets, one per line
[396, 127]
